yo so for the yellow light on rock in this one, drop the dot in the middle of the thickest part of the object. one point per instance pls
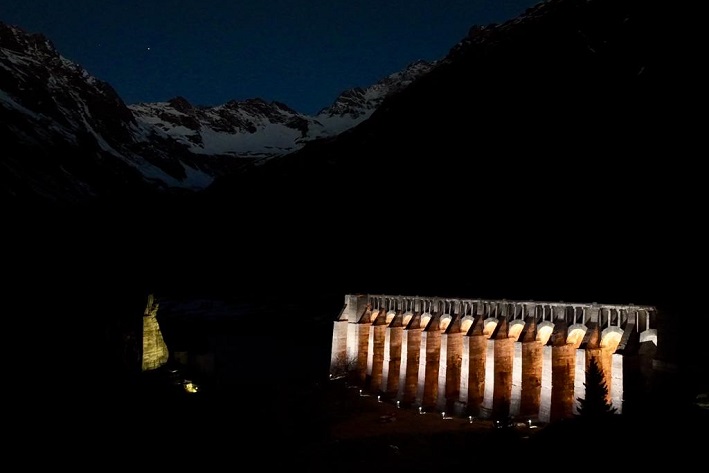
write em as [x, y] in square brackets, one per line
[190, 387]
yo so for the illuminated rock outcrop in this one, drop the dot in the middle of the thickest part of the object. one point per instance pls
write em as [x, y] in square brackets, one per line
[155, 352]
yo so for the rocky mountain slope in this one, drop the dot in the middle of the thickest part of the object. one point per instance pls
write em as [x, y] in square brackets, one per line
[521, 161]
[69, 138]
[259, 130]
[544, 157]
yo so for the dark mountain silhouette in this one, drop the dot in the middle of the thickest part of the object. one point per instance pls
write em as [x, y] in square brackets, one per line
[541, 158]
[535, 156]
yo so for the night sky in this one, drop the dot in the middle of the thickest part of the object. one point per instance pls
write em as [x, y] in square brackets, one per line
[301, 53]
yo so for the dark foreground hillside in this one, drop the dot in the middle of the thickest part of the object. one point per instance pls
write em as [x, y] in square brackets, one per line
[269, 391]
[328, 427]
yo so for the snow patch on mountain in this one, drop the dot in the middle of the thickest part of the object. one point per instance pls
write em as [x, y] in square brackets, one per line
[255, 128]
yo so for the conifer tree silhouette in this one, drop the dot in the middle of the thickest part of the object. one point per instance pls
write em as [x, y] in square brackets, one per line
[595, 404]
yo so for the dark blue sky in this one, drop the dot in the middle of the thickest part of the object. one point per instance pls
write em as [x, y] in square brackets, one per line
[299, 52]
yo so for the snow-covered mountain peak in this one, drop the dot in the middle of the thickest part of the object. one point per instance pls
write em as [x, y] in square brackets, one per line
[52, 103]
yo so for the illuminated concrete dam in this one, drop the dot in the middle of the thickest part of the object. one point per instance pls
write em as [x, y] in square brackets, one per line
[493, 358]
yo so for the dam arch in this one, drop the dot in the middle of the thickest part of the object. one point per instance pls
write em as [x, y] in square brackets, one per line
[491, 358]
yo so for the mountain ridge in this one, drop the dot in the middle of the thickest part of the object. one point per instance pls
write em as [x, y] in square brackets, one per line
[70, 137]
[527, 147]
[520, 162]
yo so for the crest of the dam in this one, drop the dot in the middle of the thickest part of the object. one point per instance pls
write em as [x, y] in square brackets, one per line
[493, 358]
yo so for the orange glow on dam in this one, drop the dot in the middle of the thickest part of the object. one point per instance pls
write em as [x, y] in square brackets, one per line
[492, 358]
